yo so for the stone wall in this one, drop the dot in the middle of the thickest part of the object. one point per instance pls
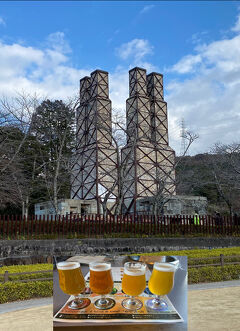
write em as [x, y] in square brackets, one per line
[44, 249]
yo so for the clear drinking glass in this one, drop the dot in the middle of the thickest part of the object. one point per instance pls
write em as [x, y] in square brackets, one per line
[101, 282]
[72, 282]
[133, 283]
[161, 283]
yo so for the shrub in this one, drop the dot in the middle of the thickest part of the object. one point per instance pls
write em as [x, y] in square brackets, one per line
[13, 291]
[213, 260]
[26, 268]
[27, 276]
[194, 253]
[213, 274]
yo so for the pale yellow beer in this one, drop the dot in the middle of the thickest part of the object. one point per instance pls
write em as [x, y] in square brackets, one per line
[162, 279]
[134, 280]
[71, 280]
[101, 281]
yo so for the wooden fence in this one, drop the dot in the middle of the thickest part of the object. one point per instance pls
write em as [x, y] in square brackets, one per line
[14, 227]
[222, 261]
[6, 276]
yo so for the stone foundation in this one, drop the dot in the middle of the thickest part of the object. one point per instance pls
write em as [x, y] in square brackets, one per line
[35, 250]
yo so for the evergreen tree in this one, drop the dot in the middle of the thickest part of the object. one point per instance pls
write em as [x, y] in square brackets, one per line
[53, 127]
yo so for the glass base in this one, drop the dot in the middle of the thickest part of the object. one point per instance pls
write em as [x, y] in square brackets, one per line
[132, 304]
[157, 304]
[105, 303]
[79, 303]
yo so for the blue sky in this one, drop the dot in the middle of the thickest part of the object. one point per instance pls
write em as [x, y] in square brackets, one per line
[48, 46]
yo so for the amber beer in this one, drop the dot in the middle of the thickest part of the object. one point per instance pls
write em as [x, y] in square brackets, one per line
[134, 280]
[101, 281]
[71, 279]
[162, 278]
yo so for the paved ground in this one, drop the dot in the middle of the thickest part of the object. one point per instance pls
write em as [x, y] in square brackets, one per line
[215, 309]
[206, 286]
[22, 305]
[212, 307]
[32, 319]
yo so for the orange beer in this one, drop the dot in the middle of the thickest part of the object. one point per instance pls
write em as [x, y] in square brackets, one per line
[162, 279]
[101, 281]
[71, 280]
[134, 280]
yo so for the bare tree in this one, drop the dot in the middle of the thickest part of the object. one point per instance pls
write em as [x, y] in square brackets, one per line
[115, 191]
[17, 112]
[214, 175]
[16, 118]
[225, 168]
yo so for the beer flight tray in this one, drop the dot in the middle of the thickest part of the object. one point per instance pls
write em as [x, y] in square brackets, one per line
[117, 314]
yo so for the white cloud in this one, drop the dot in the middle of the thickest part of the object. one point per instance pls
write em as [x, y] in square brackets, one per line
[187, 64]
[136, 49]
[2, 21]
[208, 99]
[236, 27]
[46, 71]
[58, 42]
[146, 9]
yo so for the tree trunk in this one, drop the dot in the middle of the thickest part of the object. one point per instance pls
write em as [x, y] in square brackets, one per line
[23, 209]
[26, 207]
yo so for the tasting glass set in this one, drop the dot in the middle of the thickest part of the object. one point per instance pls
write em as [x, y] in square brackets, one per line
[160, 283]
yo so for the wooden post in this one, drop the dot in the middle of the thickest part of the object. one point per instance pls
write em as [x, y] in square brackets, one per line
[222, 260]
[3, 226]
[5, 276]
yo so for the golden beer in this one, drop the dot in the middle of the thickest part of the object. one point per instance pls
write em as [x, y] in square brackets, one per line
[71, 279]
[134, 280]
[101, 281]
[162, 279]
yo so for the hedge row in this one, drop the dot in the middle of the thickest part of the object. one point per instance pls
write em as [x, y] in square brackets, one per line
[201, 253]
[11, 291]
[27, 276]
[213, 274]
[213, 260]
[26, 268]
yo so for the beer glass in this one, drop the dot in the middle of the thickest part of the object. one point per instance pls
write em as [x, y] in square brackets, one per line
[161, 283]
[133, 283]
[72, 282]
[101, 282]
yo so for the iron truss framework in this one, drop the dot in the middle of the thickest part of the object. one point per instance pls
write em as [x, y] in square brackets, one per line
[94, 169]
[150, 169]
[148, 157]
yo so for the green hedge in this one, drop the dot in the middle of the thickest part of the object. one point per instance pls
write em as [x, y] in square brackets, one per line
[213, 274]
[213, 260]
[201, 253]
[31, 276]
[12, 291]
[26, 268]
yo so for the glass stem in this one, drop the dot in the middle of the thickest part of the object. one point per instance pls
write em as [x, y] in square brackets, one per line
[158, 299]
[132, 301]
[77, 299]
[103, 300]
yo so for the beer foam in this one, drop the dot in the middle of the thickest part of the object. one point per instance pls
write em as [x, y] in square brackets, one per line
[99, 266]
[135, 271]
[68, 265]
[162, 266]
